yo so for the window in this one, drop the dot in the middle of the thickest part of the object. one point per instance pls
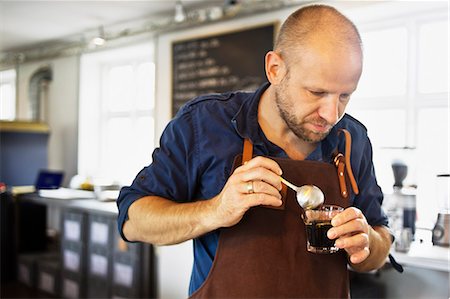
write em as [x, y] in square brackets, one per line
[8, 94]
[387, 78]
[433, 57]
[402, 98]
[116, 119]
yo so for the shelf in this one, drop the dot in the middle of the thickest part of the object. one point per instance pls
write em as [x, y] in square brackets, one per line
[24, 127]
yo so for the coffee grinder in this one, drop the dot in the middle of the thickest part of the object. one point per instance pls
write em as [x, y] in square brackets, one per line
[405, 197]
[441, 230]
[400, 207]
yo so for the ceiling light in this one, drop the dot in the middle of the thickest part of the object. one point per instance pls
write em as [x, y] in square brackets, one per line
[99, 40]
[180, 16]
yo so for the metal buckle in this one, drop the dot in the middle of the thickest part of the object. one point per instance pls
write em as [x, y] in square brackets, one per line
[338, 159]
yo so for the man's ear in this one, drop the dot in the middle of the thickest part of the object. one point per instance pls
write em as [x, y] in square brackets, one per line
[275, 67]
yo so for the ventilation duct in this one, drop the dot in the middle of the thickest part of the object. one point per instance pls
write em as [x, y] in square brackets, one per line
[38, 93]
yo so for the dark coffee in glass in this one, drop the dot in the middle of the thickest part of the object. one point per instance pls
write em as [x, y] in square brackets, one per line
[317, 223]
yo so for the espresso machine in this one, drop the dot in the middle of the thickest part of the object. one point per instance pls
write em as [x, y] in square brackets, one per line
[441, 230]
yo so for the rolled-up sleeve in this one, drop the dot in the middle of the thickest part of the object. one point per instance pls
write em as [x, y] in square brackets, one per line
[171, 174]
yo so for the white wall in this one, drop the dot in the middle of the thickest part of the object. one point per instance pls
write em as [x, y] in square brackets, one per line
[62, 110]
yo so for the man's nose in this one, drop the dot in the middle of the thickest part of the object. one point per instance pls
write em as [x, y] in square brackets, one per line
[329, 109]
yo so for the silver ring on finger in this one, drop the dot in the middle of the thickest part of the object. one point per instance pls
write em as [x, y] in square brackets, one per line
[250, 189]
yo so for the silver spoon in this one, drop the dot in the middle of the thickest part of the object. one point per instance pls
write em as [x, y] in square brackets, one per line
[308, 196]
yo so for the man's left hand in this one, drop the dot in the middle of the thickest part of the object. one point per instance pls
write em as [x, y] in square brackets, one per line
[352, 233]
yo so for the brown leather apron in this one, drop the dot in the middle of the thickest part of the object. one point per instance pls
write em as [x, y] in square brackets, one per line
[265, 256]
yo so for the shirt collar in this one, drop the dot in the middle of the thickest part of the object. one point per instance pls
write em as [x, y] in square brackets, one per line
[245, 121]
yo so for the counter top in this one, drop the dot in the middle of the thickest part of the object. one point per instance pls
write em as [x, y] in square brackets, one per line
[424, 255]
[79, 203]
[421, 254]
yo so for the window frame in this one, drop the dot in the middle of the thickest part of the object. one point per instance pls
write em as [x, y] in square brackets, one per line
[413, 102]
[93, 138]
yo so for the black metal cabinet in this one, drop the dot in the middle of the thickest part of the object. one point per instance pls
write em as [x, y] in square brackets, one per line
[8, 238]
[94, 261]
[414, 282]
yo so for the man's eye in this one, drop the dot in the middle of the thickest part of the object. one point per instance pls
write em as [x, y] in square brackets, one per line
[345, 97]
[317, 93]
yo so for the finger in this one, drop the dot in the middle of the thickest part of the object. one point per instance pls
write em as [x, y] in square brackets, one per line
[348, 228]
[360, 255]
[257, 199]
[347, 215]
[356, 241]
[261, 162]
[261, 174]
[259, 187]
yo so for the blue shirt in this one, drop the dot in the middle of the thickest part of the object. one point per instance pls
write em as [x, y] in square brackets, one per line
[196, 154]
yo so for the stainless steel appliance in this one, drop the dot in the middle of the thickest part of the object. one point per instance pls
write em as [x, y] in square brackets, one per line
[441, 230]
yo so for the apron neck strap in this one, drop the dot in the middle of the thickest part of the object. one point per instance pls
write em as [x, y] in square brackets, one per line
[348, 166]
[247, 153]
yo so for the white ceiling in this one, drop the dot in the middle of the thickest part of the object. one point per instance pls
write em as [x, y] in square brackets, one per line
[24, 24]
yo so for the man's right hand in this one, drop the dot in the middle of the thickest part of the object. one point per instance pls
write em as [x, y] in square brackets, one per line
[255, 183]
[162, 221]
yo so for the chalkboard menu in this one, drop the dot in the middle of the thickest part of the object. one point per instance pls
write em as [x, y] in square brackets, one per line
[219, 63]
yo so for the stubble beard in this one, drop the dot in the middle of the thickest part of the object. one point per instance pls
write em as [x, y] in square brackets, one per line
[296, 126]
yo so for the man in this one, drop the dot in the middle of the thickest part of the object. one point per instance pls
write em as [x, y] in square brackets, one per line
[190, 190]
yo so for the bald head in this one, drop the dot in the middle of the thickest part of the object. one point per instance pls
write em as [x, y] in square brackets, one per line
[316, 24]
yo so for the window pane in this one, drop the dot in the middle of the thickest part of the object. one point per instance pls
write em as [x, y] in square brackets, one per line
[128, 147]
[432, 150]
[115, 143]
[120, 88]
[8, 102]
[117, 147]
[387, 132]
[145, 134]
[8, 95]
[145, 86]
[143, 144]
[385, 63]
[433, 57]
[393, 121]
